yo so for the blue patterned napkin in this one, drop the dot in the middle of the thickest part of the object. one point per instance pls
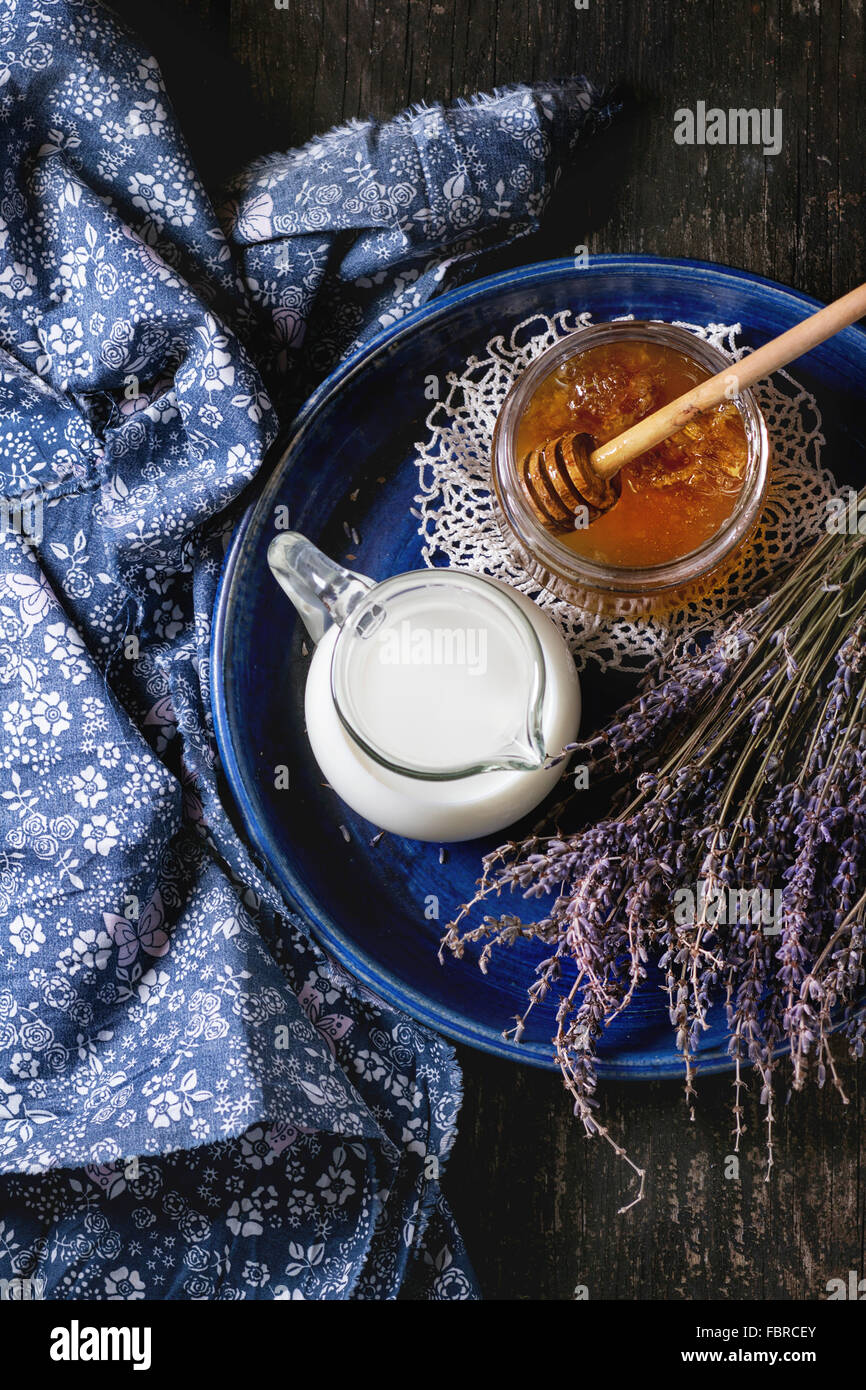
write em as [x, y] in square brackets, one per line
[194, 1101]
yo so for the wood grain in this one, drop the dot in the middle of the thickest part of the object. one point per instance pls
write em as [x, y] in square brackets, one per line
[536, 1200]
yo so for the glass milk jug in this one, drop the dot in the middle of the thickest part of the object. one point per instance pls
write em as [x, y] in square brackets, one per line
[435, 699]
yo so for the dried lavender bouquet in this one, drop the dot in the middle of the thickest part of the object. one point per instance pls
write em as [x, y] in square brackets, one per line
[740, 780]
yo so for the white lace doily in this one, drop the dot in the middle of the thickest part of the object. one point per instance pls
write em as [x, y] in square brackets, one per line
[455, 504]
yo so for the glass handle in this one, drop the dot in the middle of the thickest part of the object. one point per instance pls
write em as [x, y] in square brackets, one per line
[322, 591]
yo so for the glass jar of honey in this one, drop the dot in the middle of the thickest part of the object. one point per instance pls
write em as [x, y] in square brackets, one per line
[685, 508]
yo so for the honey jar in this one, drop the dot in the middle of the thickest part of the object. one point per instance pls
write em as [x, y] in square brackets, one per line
[685, 508]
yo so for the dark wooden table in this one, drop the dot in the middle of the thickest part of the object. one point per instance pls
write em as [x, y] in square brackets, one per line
[536, 1200]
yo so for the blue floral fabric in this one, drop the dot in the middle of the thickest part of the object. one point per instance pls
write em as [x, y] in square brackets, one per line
[195, 1102]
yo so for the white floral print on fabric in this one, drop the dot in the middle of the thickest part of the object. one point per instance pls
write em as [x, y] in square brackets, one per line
[194, 1101]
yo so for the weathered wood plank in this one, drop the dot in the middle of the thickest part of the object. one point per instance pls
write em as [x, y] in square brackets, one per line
[538, 1201]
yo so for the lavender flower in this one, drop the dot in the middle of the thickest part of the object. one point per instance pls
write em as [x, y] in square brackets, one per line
[740, 763]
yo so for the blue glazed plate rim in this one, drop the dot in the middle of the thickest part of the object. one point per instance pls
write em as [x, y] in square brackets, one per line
[456, 1026]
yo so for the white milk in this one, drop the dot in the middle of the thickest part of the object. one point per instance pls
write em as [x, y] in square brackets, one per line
[439, 689]
[447, 687]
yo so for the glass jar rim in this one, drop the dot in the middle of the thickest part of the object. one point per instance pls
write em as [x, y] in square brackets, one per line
[560, 559]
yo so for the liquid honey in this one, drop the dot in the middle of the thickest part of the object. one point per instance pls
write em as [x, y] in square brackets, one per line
[676, 495]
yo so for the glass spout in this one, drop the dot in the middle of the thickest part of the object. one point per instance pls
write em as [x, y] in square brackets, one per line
[525, 753]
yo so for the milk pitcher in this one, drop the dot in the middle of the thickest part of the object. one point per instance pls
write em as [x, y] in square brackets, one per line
[435, 699]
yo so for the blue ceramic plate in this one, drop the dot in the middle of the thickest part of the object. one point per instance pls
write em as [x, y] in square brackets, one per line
[367, 905]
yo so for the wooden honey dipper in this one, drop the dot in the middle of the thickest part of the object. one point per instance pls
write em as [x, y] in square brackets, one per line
[569, 471]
